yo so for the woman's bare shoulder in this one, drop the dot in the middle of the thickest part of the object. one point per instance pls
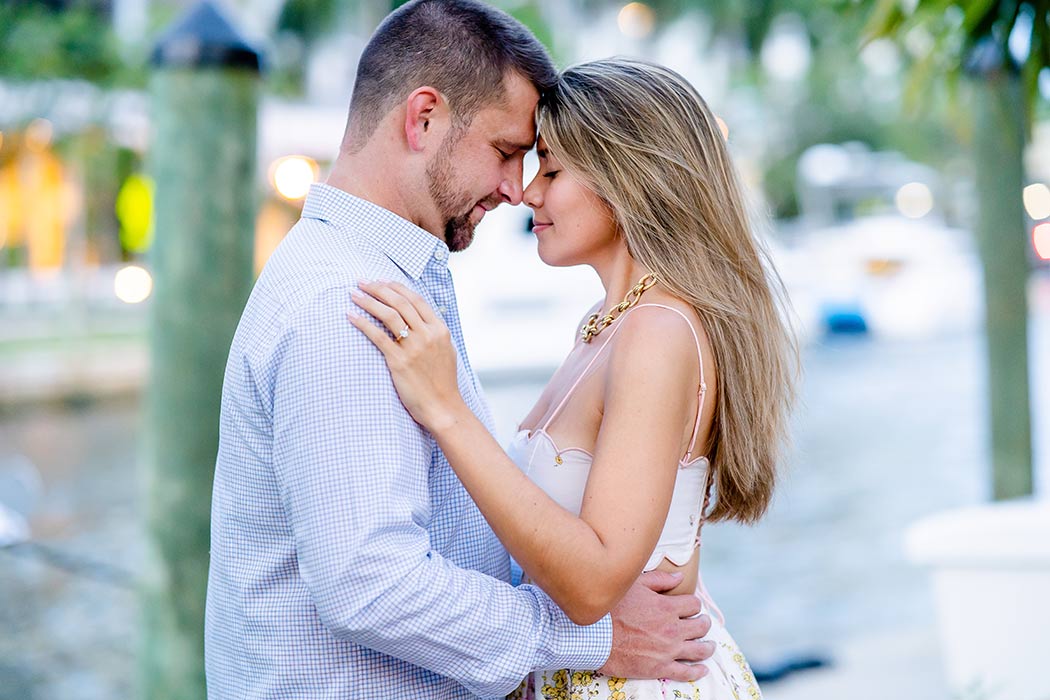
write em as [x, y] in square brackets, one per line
[653, 337]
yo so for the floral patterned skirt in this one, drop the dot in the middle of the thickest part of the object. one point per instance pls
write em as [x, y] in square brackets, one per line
[729, 678]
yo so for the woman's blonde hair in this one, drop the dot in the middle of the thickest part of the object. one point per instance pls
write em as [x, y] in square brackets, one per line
[645, 141]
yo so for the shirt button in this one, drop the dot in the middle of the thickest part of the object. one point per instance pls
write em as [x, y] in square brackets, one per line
[442, 310]
[440, 254]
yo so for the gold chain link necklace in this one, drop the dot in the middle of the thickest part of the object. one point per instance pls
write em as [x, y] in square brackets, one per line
[598, 323]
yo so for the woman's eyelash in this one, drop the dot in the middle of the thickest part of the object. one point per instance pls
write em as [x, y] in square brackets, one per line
[551, 173]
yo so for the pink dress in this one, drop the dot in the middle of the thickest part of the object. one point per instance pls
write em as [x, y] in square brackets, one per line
[562, 474]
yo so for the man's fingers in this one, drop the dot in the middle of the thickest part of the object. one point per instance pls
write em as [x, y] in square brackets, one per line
[696, 651]
[660, 581]
[685, 605]
[694, 627]
[684, 672]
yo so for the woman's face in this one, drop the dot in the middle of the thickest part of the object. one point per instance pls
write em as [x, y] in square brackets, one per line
[572, 224]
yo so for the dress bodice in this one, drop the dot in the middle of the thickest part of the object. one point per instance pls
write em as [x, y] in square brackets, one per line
[562, 474]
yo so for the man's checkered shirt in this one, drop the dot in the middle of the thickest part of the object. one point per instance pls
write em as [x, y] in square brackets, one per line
[347, 561]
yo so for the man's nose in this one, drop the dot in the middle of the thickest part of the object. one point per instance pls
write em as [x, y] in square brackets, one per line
[510, 189]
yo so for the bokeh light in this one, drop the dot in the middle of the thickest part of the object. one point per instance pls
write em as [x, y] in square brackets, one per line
[786, 54]
[636, 20]
[134, 210]
[914, 200]
[723, 127]
[1041, 241]
[132, 284]
[1037, 201]
[292, 176]
[38, 135]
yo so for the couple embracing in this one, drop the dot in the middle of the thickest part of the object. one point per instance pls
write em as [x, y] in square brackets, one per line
[363, 513]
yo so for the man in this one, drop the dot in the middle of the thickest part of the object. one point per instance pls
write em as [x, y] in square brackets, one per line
[347, 560]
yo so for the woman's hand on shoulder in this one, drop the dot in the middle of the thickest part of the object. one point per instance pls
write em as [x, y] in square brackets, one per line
[418, 349]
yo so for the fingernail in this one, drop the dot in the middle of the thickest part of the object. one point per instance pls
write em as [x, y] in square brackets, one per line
[356, 295]
[677, 574]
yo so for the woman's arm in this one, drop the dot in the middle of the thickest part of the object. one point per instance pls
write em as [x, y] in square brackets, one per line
[584, 563]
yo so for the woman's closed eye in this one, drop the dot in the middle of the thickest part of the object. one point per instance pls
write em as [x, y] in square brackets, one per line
[551, 173]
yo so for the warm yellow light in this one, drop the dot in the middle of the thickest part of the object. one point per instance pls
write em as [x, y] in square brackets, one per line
[1, 140]
[39, 134]
[636, 20]
[70, 201]
[1037, 201]
[44, 216]
[914, 200]
[292, 176]
[132, 284]
[723, 127]
[1041, 241]
[271, 225]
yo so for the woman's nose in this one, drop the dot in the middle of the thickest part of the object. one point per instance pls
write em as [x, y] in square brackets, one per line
[532, 196]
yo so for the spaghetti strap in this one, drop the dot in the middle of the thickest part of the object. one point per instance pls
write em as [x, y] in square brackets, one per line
[586, 371]
[703, 384]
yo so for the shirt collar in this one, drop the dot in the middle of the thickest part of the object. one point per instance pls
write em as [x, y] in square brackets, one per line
[408, 246]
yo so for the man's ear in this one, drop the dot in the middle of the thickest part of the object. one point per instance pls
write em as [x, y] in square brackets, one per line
[425, 109]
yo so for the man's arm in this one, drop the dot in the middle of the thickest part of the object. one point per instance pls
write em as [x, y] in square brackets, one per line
[352, 467]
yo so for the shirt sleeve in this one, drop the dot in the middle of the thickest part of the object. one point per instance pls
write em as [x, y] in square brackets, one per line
[353, 466]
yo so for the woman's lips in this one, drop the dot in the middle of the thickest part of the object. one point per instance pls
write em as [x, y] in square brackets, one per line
[538, 226]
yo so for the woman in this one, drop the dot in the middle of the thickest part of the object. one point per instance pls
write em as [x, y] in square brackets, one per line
[677, 391]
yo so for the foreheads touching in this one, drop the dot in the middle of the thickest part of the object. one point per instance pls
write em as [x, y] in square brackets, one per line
[464, 49]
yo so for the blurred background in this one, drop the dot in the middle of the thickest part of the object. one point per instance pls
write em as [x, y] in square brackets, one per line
[897, 155]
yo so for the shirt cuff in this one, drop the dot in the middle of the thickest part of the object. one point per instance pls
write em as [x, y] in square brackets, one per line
[565, 644]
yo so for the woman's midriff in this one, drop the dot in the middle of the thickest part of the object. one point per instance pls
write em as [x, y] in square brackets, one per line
[688, 570]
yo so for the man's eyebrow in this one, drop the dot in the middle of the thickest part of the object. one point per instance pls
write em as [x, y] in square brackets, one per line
[513, 147]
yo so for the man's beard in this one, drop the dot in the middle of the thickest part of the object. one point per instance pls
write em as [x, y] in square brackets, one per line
[441, 183]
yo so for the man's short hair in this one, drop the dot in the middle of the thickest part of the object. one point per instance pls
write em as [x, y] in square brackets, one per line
[463, 48]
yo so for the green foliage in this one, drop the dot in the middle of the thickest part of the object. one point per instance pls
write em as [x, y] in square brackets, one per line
[308, 19]
[969, 36]
[76, 42]
[751, 18]
[530, 15]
